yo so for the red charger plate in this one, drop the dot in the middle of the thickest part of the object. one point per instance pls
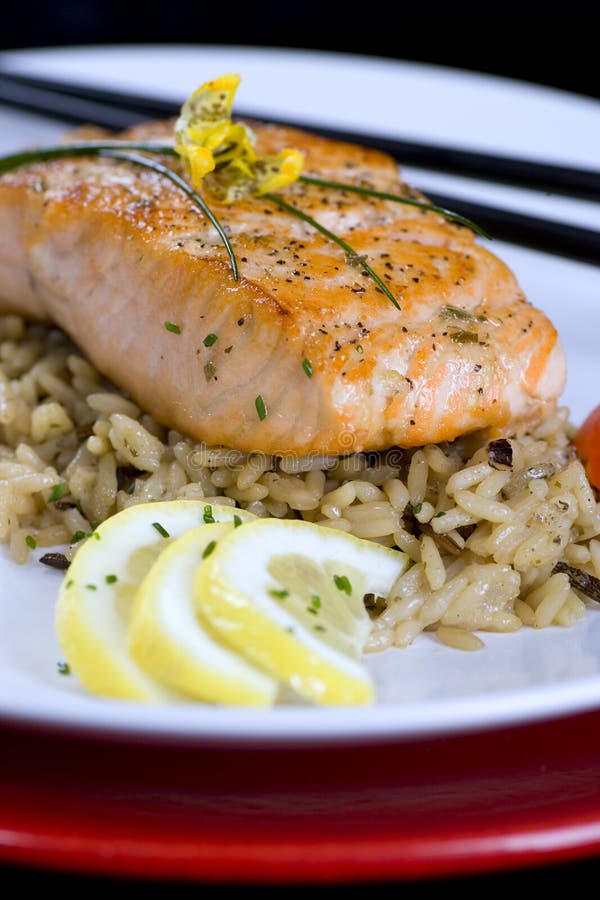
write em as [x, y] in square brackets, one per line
[291, 814]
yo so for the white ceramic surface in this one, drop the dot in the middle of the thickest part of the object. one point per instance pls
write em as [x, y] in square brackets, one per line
[428, 689]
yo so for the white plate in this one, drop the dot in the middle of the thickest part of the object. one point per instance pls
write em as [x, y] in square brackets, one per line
[428, 689]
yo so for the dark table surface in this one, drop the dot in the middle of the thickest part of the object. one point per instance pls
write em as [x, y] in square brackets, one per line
[565, 876]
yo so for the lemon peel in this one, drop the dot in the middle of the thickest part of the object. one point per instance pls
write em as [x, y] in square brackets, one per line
[277, 592]
[95, 597]
[219, 154]
[168, 641]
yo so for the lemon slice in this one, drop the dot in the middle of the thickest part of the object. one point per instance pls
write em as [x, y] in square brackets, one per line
[288, 595]
[95, 598]
[167, 640]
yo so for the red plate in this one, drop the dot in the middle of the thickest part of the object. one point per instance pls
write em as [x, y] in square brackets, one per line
[455, 805]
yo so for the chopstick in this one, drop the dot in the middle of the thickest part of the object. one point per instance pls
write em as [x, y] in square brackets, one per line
[116, 110]
[16, 88]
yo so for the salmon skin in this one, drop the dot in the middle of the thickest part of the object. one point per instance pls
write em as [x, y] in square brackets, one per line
[304, 353]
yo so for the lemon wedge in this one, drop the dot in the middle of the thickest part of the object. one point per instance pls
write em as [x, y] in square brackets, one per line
[288, 595]
[167, 640]
[95, 598]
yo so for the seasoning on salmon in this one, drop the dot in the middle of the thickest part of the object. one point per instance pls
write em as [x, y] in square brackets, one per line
[111, 252]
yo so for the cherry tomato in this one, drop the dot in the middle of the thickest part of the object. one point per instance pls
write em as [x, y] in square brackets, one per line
[587, 443]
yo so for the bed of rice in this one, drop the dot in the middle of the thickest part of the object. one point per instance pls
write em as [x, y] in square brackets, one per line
[484, 537]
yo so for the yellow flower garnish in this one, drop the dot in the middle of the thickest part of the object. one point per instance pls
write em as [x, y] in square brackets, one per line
[219, 155]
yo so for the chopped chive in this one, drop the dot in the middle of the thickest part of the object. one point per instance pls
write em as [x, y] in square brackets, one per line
[319, 627]
[261, 408]
[31, 541]
[416, 509]
[315, 601]
[69, 583]
[63, 668]
[91, 587]
[439, 514]
[210, 339]
[454, 312]
[312, 610]
[110, 579]
[78, 536]
[237, 521]
[171, 326]
[209, 549]
[162, 531]
[278, 595]
[464, 337]
[307, 366]
[58, 491]
[342, 583]
[95, 535]
[207, 515]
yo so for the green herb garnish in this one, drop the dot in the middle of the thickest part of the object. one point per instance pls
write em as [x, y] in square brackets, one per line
[209, 549]
[261, 408]
[237, 521]
[455, 312]
[91, 587]
[315, 605]
[170, 326]
[162, 531]
[207, 515]
[58, 491]
[63, 668]
[111, 579]
[78, 536]
[416, 509]
[307, 366]
[342, 583]
[31, 541]
[210, 339]
[465, 337]
[278, 595]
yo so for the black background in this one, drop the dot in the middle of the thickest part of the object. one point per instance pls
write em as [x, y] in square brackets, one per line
[550, 44]
[524, 41]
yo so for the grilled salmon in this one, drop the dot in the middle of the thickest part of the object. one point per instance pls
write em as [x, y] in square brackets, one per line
[304, 353]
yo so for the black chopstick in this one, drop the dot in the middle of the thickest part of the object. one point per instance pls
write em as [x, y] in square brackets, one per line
[77, 104]
[554, 178]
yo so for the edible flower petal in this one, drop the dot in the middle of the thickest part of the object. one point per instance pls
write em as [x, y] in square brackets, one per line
[220, 154]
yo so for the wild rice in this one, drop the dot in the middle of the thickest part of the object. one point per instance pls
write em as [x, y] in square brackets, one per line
[483, 535]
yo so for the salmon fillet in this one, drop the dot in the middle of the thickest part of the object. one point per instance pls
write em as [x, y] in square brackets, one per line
[111, 252]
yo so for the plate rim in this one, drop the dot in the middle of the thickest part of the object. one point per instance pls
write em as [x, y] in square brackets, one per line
[380, 732]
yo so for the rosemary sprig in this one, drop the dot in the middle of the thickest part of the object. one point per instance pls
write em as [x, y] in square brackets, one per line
[351, 253]
[397, 198]
[121, 150]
